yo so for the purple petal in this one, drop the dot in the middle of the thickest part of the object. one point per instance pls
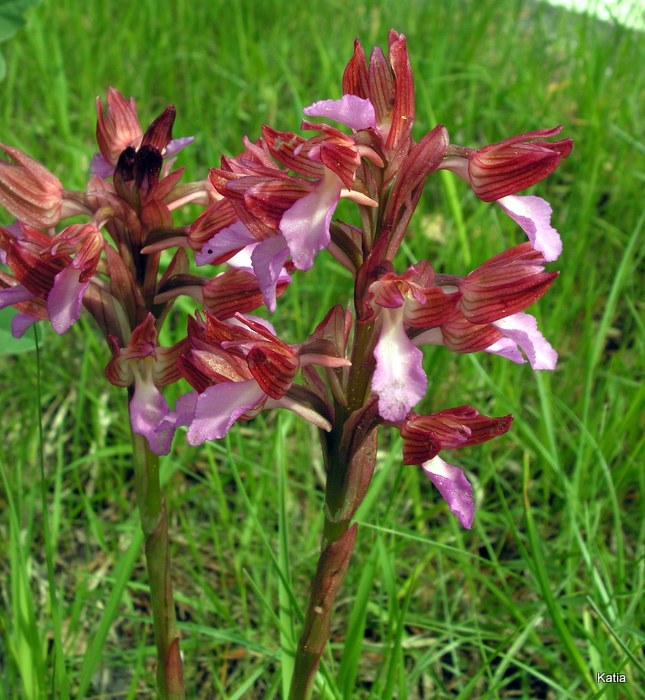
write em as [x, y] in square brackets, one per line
[268, 259]
[15, 230]
[21, 323]
[533, 214]
[505, 347]
[432, 336]
[99, 166]
[234, 236]
[305, 225]
[237, 321]
[148, 408]
[65, 298]
[177, 145]
[300, 409]
[399, 379]
[182, 415]
[351, 110]
[242, 259]
[522, 329]
[219, 406]
[454, 487]
[14, 295]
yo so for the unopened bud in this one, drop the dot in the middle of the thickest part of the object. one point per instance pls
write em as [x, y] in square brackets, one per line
[118, 127]
[29, 191]
[510, 166]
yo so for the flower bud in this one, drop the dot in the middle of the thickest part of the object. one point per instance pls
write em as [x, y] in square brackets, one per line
[159, 133]
[118, 127]
[29, 191]
[504, 168]
[425, 436]
[504, 285]
[516, 163]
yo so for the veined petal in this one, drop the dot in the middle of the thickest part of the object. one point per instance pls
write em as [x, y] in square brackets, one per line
[117, 126]
[512, 165]
[65, 298]
[533, 214]
[399, 379]
[305, 225]
[352, 111]
[454, 488]
[28, 190]
[238, 290]
[403, 103]
[381, 90]
[522, 329]
[355, 74]
[504, 285]
[219, 406]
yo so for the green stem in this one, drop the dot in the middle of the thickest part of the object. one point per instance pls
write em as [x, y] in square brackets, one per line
[331, 570]
[350, 465]
[349, 470]
[154, 523]
[360, 373]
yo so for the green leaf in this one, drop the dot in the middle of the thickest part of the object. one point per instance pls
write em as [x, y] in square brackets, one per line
[11, 20]
[12, 16]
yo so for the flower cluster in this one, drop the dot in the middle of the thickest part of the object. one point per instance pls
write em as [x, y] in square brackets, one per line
[103, 264]
[277, 201]
[239, 367]
[269, 213]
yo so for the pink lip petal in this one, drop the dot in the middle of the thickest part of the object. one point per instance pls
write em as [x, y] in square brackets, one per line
[176, 145]
[20, 323]
[533, 214]
[522, 329]
[268, 259]
[147, 409]
[229, 238]
[399, 379]
[355, 112]
[65, 298]
[219, 406]
[305, 225]
[454, 488]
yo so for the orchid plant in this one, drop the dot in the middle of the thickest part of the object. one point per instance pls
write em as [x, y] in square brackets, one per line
[268, 213]
[104, 266]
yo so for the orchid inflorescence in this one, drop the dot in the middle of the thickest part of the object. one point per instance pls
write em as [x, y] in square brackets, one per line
[267, 214]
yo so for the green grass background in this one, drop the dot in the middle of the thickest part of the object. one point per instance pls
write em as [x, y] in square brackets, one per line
[546, 590]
